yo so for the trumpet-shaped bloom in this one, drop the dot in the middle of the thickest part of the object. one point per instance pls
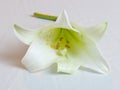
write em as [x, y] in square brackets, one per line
[64, 43]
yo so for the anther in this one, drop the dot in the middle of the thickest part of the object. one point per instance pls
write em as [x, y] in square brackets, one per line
[61, 38]
[67, 41]
[67, 46]
[57, 46]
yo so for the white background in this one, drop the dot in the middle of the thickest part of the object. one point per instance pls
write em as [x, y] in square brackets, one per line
[85, 12]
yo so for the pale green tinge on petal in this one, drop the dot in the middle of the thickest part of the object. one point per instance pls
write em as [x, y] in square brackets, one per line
[68, 65]
[93, 59]
[24, 35]
[82, 52]
[95, 33]
[39, 56]
[90, 57]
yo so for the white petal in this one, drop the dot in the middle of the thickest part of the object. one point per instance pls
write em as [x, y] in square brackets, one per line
[24, 35]
[63, 20]
[89, 56]
[95, 33]
[68, 65]
[94, 60]
[39, 56]
[91, 60]
[82, 52]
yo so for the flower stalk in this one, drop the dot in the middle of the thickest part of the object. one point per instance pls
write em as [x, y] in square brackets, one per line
[45, 16]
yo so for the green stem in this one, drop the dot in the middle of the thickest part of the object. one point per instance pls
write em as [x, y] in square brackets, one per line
[45, 16]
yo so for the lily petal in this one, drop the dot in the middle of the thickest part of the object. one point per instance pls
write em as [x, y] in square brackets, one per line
[63, 20]
[68, 65]
[39, 56]
[95, 32]
[92, 59]
[96, 63]
[24, 35]
[82, 52]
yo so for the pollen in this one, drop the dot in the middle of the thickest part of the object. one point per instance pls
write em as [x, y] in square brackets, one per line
[57, 46]
[61, 38]
[67, 46]
[67, 41]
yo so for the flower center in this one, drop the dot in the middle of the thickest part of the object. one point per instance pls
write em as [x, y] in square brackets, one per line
[57, 39]
[62, 43]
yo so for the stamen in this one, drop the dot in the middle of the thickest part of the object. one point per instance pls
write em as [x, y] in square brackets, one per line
[61, 38]
[57, 46]
[67, 46]
[67, 41]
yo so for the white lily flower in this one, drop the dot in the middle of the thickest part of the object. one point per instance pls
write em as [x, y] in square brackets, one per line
[66, 44]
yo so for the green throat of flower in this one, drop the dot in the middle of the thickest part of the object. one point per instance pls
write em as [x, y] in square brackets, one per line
[64, 40]
[58, 39]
